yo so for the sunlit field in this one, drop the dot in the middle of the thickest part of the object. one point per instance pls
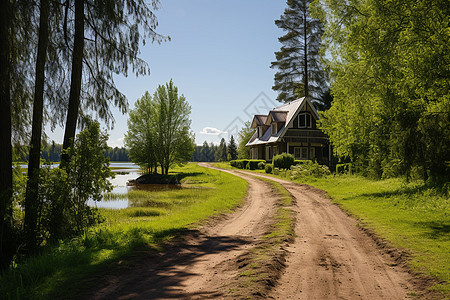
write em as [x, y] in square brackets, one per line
[153, 217]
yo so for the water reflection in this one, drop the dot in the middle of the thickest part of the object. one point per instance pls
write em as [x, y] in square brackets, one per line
[125, 172]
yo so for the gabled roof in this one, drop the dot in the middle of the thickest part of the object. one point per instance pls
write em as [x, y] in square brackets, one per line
[283, 113]
[258, 120]
[276, 116]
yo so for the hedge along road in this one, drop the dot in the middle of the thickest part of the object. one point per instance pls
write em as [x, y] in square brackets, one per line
[331, 258]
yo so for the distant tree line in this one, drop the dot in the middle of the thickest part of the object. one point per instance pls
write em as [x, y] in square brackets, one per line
[213, 153]
[118, 154]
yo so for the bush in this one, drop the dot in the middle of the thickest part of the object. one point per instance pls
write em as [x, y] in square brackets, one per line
[301, 162]
[268, 168]
[276, 171]
[66, 191]
[250, 164]
[283, 161]
[261, 165]
[344, 168]
[309, 169]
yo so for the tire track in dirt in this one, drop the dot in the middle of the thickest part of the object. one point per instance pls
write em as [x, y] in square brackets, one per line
[331, 258]
[203, 264]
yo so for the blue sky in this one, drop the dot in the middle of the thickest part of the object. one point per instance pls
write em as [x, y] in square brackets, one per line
[219, 57]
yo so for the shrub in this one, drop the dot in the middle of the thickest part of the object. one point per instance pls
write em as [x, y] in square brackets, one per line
[301, 162]
[276, 171]
[344, 168]
[261, 165]
[268, 168]
[254, 163]
[66, 191]
[309, 169]
[250, 164]
[283, 161]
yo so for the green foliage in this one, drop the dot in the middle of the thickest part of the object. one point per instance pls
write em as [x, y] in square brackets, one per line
[221, 153]
[250, 164]
[205, 152]
[159, 130]
[299, 69]
[117, 154]
[309, 169]
[232, 149]
[261, 165]
[141, 135]
[389, 65]
[268, 168]
[245, 134]
[64, 193]
[283, 161]
[276, 171]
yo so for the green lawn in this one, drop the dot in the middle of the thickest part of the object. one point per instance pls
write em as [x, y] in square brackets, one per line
[411, 216]
[61, 271]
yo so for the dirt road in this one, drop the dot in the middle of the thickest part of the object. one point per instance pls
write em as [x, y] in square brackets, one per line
[204, 263]
[329, 259]
[332, 259]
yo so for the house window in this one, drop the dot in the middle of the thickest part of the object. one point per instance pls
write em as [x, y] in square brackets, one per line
[304, 120]
[274, 128]
[301, 152]
[275, 150]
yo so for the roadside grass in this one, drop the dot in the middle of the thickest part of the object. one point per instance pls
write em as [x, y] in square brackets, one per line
[412, 216]
[63, 270]
[261, 267]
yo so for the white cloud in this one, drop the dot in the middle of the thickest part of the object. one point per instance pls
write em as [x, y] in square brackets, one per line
[211, 131]
[116, 143]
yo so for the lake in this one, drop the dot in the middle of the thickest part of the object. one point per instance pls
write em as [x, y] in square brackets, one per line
[124, 172]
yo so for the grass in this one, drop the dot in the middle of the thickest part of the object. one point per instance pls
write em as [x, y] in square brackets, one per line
[412, 216]
[61, 271]
[261, 268]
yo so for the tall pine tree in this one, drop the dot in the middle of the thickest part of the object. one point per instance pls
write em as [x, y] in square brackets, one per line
[232, 149]
[298, 61]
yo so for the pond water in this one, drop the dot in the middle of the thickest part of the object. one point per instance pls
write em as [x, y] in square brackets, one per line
[124, 172]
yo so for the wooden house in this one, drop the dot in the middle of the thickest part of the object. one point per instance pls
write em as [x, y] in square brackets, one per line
[290, 128]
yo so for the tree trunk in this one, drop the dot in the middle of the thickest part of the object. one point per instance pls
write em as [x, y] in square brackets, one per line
[6, 243]
[32, 197]
[75, 83]
[305, 38]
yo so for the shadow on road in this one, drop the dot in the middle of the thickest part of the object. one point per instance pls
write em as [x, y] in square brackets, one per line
[161, 276]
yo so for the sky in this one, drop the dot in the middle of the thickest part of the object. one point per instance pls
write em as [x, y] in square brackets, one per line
[219, 57]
